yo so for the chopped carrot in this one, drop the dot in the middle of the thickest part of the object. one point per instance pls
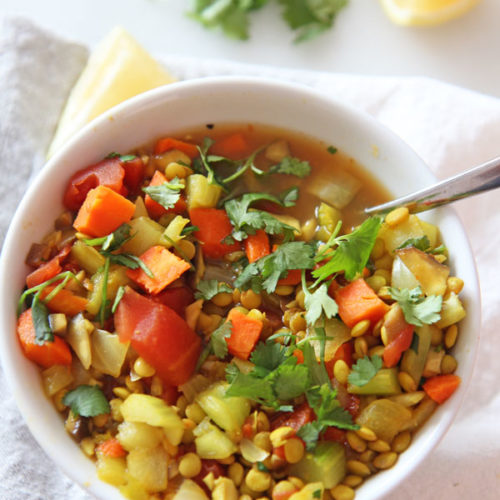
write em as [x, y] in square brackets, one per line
[395, 348]
[47, 354]
[343, 352]
[165, 266]
[257, 245]
[168, 143]
[357, 301]
[441, 387]
[292, 278]
[65, 301]
[245, 334]
[214, 225]
[48, 270]
[111, 448]
[102, 212]
[299, 355]
[155, 210]
[233, 146]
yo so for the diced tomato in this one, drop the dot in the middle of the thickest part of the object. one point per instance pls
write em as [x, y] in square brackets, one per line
[170, 394]
[159, 335]
[292, 278]
[394, 350]
[349, 402]
[48, 270]
[155, 210]
[296, 419]
[344, 352]
[169, 143]
[177, 298]
[245, 334]
[108, 172]
[134, 173]
[334, 434]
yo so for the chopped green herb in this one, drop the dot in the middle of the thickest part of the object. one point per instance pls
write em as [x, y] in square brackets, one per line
[318, 302]
[119, 296]
[87, 401]
[364, 370]
[189, 229]
[332, 150]
[40, 315]
[317, 494]
[112, 241]
[166, 194]
[128, 260]
[208, 289]
[421, 243]
[287, 166]
[103, 310]
[218, 339]
[262, 467]
[418, 309]
[125, 158]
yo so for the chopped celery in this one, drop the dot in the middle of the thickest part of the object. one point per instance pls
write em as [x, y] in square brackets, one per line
[384, 383]
[384, 417]
[211, 442]
[146, 233]
[326, 464]
[328, 217]
[111, 470]
[149, 467]
[452, 311]
[227, 413]
[155, 412]
[200, 193]
[87, 257]
[108, 353]
[55, 378]
[172, 233]
[413, 362]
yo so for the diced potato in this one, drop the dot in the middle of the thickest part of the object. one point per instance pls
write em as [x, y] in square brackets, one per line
[78, 337]
[431, 231]
[431, 275]
[138, 435]
[384, 417]
[112, 470]
[227, 412]
[55, 378]
[134, 489]
[337, 190]
[108, 353]
[155, 412]
[87, 257]
[149, 467]
[172, 233]
[211, 442]
[189, 490]
[200, 193]
[452, 311]
[277, 151]
[394, 237]
[146, 233]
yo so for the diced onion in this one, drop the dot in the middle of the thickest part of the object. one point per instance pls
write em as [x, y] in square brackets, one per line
[251, 452]
[402, 277]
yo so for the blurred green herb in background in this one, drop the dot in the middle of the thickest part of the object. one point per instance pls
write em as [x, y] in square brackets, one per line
[308, 18]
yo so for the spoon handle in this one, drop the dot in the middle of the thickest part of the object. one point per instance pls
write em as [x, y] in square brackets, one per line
[476, 180]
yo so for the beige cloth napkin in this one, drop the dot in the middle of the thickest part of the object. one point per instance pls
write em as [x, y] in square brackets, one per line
[451, 128]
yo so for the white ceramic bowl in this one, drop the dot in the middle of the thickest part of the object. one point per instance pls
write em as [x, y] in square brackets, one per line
[178, 107]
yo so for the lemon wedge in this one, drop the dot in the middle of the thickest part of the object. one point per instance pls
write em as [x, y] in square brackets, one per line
[425, 12]
[118, 68]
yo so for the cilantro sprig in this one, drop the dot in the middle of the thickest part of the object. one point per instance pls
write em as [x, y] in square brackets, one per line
[318, 302]
[166, 194]
[364, 370]
[87, 401]
[287, 166]
[208, 289]
[417, 309]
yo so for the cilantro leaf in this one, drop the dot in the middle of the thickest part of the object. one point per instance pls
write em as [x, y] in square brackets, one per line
[246, 221]
[311, 18]
[40, 316]
[268, 355]
[87, 401]
[352, 252]
[128, 260]
[290, 381]
[207, 289]
[288, 166]
[364, 370]
[332, 149]
[119, 295]
[218, 339]
[204, 163]
[251, 387]
[318, 302]
[265, 272]
[418, 309]
[309, 433]
[112, 241]
[166, 194]
[318, 371]
[421, 243]
[189, 229]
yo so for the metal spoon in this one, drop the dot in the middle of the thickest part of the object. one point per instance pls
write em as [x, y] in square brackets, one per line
[476, 180]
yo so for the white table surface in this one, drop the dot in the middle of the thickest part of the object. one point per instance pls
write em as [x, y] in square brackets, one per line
[464, 52]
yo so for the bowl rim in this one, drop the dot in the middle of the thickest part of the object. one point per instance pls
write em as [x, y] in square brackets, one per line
[149, 98]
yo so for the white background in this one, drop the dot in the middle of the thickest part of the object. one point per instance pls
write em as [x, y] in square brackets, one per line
[465, 52]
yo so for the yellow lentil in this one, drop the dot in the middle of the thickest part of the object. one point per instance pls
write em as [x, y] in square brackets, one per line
[282, 488]
[298, 322]
[397, 216]
[297, 482]
[134, 386]
[190, 465]
[366, 433]
[360, 328]
[188, 423]
[236, 295]
[407, 382]
[280, 435]
[341, 371]
[57, 398]
[174, 169]
[355, 442]
[379, 446]
[401, 442]
[385, 460]
[181, 403]
[187, 248]
[384, 293]
[256, 314]
[352, 480]
[454, 284]
[156, 386]
[121, 392]
[257, 480]
[342, 492]
[294, 450]
[384, 273]
[376, 282]
[143, 368]
[300, 297]
[262, 422]
[250, 299]
[436, 336]
[223, 299]
[367, 456]
[100, 420]
[284, 290]
[358, 468]
[377, 350]
[195, 413]
[308, 229]
[263, 441]
[448, 364]
[236, 473]
[450, 337]
[115, 405]
[360, 347]
[88, 446]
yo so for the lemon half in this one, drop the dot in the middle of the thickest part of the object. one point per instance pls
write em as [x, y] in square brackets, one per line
[118, 68]
[425, 12]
